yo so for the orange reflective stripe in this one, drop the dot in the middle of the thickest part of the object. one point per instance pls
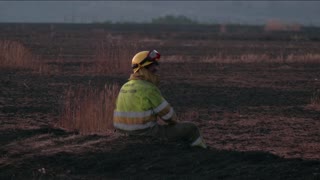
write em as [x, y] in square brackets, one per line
[127, 120]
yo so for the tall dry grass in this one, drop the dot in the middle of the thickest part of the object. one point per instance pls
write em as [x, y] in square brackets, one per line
[114, 57]
[15, 55]
[315, 99]
[89, 110]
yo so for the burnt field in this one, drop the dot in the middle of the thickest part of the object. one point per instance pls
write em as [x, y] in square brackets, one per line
[254, 95]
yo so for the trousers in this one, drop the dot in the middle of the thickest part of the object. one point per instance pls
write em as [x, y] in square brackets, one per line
[185, 131]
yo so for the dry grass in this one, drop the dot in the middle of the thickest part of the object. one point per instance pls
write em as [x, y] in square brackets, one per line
[89, 110]
[15, 55]
[248, 58]
[315, 99]
[310, 58]
[113, 57]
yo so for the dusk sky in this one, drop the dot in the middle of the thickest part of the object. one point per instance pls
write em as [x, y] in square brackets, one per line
[244, 12]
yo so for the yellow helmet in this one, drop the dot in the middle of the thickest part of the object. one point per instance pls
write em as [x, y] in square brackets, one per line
[144, 58]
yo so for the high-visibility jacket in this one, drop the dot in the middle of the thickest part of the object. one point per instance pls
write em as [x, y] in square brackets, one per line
[138, 104]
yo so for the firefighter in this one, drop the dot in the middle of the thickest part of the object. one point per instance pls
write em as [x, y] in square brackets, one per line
[140, 103]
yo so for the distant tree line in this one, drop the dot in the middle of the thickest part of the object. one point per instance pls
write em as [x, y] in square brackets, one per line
[171, 19]
[167, 19]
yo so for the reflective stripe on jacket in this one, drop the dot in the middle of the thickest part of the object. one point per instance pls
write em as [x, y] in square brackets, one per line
[138, 104]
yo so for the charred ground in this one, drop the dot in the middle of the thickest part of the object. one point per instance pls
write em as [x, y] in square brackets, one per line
[255, 116]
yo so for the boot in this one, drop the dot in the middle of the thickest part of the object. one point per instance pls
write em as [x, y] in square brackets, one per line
[199, 143]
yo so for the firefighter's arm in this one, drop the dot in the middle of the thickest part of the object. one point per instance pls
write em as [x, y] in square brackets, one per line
[168, 115]
[162, 108]
[173, 120]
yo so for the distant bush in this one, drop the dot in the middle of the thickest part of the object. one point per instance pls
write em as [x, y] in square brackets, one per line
[276, 25]
[170, 19]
